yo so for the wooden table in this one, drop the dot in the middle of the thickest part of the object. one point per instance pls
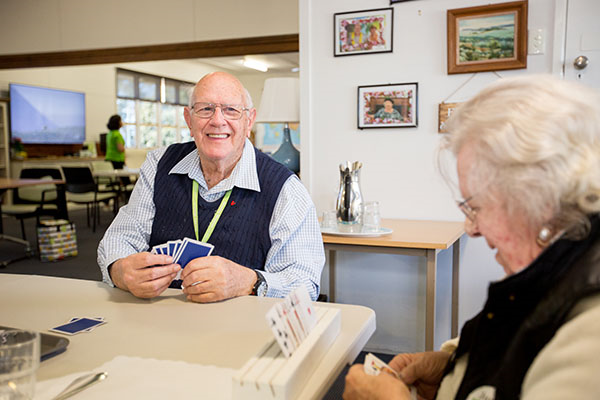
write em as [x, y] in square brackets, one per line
[224, 334]
[411, 238]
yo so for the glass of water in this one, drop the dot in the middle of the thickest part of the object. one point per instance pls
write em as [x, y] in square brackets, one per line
[371, 219]
[19, 361]
[329, 220]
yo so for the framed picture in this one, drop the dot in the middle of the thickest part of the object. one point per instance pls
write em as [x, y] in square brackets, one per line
[444, 112]
[487, 38]
[387, 106]
[363, 32]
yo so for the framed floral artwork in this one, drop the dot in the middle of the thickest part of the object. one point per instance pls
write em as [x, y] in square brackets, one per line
[363, 32]
[393, 105]
[487, 38]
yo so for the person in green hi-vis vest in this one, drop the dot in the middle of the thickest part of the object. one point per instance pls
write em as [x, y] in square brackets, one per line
[115, 145]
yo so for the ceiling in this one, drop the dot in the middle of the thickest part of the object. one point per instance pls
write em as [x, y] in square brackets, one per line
[278, 62]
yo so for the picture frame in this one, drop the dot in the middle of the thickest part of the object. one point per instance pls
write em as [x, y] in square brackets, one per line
[393, 105]
[363, 32]
[398, 1]
[487, 38]
[444, 112]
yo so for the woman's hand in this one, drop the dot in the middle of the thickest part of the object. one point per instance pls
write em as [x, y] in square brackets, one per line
[422, 370]
[360, 386]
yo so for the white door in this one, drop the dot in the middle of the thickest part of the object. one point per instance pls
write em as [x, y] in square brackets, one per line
[582, 50]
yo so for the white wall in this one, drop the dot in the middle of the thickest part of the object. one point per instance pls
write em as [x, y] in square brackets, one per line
[29, 26]
[398, 164]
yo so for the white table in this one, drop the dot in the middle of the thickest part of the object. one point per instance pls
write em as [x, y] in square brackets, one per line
[224, 334]
[117, 173]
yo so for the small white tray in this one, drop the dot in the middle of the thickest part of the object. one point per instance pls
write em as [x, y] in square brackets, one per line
[334, 231]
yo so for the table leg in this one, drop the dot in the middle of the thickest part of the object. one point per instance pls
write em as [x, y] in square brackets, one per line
[455, 275]
[430, 299]
[332, 276]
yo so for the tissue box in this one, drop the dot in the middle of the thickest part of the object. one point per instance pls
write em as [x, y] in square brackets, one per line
[56, 239]
[269, 375]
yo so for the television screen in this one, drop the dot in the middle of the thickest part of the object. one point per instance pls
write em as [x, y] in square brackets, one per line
[47, 116]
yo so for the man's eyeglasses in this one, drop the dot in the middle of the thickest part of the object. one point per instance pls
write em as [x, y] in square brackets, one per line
[464, 206]
[229, 111]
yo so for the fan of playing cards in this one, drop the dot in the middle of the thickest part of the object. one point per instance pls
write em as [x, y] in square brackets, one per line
[292, 320]
[374, 366]
[183, 251]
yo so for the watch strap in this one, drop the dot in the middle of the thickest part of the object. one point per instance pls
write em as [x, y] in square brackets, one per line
[260, 281]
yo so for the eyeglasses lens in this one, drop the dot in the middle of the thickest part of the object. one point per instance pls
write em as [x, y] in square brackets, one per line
[207, 110]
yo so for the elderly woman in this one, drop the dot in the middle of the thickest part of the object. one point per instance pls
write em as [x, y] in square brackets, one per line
[528, 162]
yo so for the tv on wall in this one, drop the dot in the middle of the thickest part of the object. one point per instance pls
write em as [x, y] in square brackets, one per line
[41, 115]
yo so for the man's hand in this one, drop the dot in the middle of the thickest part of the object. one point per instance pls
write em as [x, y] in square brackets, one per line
[214, 278]
[132, 273]
[423, 370]
[359, 386]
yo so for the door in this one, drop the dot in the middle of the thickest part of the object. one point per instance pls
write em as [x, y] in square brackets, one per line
[582, 42]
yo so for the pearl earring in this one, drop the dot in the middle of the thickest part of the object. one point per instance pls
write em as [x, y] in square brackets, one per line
[544, 237]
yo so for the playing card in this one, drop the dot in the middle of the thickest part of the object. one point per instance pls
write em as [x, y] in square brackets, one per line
[173, 246]
[281, 335]
[304, 307]
[374, 366]
[294, 315]
[77, 326]
[191, 249]
[287, 323]
[89, 329]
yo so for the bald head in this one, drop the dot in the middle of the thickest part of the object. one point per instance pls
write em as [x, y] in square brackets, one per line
[221, 82]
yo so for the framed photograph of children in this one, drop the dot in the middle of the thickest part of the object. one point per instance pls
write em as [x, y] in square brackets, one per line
[388, 106]
[363, 32]
[487, 38]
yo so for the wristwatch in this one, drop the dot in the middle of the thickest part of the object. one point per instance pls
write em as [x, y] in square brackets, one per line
[260, 287]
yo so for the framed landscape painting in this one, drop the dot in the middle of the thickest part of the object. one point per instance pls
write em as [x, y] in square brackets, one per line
[363, 32]
[487, 38]
[388, 106]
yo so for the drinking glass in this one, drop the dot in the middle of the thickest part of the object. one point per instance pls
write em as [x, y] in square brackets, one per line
[371, 217]
[19, 361]
[329, 220]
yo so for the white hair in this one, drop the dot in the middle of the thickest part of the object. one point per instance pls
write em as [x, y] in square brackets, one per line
[536, 142]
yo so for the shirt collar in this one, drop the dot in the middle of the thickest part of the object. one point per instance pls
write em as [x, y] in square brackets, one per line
[244, 174]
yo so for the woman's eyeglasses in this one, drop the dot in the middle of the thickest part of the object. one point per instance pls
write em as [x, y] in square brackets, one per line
[464, 206]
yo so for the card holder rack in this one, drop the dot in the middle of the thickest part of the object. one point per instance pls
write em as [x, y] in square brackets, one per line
[270, 375]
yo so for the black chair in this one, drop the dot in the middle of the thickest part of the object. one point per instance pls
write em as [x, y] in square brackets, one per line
[35, 201]
[82, 188]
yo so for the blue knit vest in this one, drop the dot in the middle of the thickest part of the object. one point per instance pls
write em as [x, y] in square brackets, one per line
[242, 233]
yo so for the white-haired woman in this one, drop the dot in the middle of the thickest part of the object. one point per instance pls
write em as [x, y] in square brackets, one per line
[528, 162]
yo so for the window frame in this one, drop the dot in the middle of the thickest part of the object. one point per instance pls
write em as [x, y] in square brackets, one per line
[181, 101]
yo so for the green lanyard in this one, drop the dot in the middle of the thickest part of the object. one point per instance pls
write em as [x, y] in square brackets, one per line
[215, 219]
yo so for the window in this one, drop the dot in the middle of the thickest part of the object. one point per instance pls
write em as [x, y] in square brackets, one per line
[151, 108]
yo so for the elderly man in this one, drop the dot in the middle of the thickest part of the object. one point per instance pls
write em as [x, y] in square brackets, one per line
[267, 239]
